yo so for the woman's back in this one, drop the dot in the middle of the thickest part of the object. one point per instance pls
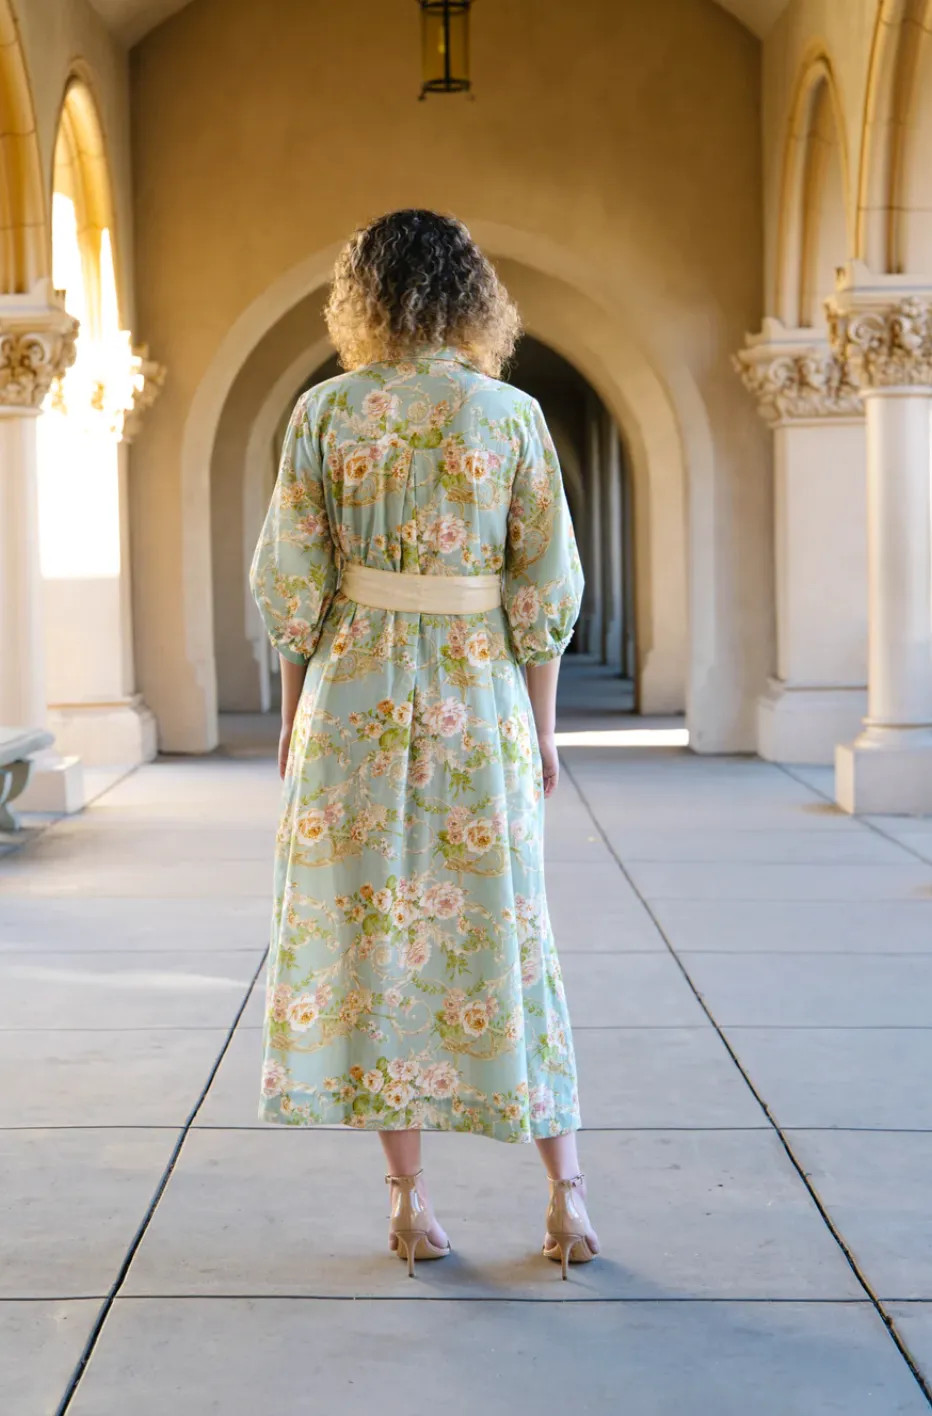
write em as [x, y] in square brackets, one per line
[419, 461]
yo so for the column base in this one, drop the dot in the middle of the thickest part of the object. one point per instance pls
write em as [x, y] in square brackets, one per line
[56, 785]
[885, 772]
[804, 725]
[107, 735]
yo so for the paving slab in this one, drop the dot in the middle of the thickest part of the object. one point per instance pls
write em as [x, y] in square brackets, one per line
[25, 876]
[913, 1322]
[82, 838]
[918, 842]
[107, 990]
[900, 827]
[716, 793]
[681, 1214]
[138, 1077]
[593, 908]
[243, 1356]
[121, 926]
[681, 844]
[864, 1078]
[40, 1344]
[819, 776]
[797, 926]
[70, 1203]
[629, 1078]
[818, 990]
[756, 880]
[875, 1186]
[570, 843]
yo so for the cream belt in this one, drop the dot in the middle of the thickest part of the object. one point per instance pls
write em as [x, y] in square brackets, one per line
[421, 594]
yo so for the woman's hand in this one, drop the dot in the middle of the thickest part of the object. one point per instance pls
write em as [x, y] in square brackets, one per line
[550, 762]
[284, 745]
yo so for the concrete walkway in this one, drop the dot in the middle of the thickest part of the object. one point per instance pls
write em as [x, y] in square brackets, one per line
[750, 977]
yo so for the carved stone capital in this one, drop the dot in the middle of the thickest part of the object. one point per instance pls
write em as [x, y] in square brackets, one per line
[881, 325]
[885, 348]
[37, 345]
[150, 377]
[793, 374]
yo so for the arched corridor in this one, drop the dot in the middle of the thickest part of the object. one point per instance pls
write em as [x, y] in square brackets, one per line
[715, 220]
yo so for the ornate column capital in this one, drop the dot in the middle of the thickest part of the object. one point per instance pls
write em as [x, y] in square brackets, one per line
[794, 375]
[37, 345]
[882, 327]
[148, 380]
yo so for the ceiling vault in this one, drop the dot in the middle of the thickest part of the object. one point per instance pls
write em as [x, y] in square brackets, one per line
[131, 20]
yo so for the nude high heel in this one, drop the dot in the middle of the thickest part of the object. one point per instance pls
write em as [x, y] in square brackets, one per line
[567, 1225]
[410, 1221]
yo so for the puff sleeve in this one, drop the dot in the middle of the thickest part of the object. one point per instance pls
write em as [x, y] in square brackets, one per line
[294, 570]
[543, 580]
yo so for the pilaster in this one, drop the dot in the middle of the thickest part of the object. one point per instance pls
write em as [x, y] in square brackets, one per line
[806, 395]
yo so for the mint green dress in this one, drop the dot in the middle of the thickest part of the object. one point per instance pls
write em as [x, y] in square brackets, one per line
[413, 979]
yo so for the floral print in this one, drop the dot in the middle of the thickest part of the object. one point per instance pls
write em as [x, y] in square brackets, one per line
[413, 980]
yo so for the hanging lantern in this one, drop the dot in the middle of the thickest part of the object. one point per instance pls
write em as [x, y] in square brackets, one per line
[444, 46]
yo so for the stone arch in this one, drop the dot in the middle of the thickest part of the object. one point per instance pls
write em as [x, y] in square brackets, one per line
[813, 234]
[664, 423]
[25, 246]
[894, 225]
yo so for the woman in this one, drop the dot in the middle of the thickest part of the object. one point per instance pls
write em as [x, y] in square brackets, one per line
[417, 551]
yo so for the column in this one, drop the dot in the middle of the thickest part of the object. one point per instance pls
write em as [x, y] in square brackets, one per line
[37, 344]
[611, 544]
[883, 327]
[818, 694]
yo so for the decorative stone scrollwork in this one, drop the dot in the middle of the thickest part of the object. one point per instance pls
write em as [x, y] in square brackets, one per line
[793, 380]
[885, 348]
[150, 377]
[37, 345]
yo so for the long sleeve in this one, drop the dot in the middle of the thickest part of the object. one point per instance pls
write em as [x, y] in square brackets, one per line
[294, 572]
[543, 581]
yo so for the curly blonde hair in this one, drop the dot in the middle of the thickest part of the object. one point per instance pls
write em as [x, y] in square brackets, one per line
[415, 280]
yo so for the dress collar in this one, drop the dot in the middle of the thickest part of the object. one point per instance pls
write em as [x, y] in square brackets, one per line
[447, 352]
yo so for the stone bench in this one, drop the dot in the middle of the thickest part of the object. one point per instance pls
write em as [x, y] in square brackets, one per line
[16, 748]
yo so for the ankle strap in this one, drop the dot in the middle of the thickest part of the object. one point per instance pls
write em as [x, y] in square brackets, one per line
[569, 1184]
[403, 1179]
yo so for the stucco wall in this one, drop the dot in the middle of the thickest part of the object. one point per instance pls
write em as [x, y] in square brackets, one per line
[619, 148]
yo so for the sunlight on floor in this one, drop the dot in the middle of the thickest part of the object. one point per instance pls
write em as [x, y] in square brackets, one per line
[625, 737]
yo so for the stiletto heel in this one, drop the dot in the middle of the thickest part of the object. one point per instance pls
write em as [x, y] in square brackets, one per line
[567, 1225]
[410, 1222]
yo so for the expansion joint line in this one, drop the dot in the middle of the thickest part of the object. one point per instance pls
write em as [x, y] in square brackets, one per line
[140, 1234]
[814, 1195]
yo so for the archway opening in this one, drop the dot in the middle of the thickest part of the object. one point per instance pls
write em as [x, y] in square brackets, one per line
[82, 542]
[599, 670]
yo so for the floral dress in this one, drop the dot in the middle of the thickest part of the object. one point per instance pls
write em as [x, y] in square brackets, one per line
[412, 979]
